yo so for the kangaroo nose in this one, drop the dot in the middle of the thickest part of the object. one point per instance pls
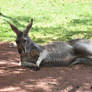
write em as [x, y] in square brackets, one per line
[20, 51]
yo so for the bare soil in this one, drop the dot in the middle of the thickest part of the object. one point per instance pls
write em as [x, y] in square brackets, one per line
[14, 78]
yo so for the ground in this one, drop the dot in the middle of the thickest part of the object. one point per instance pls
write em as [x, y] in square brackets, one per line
[14, 78]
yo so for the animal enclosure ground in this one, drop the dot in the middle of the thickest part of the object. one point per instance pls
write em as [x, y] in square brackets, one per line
[14, 78]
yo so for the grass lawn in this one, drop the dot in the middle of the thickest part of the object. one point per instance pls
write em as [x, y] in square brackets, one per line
[53, 19]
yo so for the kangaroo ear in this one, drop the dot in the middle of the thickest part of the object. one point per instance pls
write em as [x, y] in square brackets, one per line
[15, 29]
[26, 30]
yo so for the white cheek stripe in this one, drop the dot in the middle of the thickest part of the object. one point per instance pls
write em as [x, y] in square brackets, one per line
[26, 47]
[41, 57]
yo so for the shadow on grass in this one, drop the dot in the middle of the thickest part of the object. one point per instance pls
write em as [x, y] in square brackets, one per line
[60, 34]
[87, 21]
[84, 21]
[85, 35]
[12, 19]
[16, 19]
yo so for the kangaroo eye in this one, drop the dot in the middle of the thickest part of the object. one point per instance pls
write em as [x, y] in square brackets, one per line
[17, 41]
[24, 40]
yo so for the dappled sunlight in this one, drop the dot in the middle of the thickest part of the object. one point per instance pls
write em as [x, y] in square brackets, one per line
[68, 88]
[3, 62]
[10, 89]
[2, 71]
[43, 85]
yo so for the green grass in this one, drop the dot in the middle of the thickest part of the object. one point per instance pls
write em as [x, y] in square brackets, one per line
[53, 19]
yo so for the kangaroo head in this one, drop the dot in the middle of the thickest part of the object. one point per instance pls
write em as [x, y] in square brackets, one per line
[23, 41]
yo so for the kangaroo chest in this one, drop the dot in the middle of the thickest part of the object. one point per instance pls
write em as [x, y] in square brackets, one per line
[30, 57]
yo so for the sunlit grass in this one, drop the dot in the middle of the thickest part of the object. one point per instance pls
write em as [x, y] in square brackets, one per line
[53, 19]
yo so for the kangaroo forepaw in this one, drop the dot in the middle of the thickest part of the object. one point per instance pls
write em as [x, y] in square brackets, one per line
[36, 68]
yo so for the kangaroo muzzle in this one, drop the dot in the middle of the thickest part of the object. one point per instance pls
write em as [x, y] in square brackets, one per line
[19, 51]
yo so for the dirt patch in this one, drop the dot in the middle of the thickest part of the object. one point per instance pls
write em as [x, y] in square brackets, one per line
[14, 78]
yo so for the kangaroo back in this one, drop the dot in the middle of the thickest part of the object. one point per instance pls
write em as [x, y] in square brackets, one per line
[83, 51]
[82, 47]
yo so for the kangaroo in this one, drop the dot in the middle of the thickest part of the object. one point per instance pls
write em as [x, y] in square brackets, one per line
[83, 49]
[55, 54]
